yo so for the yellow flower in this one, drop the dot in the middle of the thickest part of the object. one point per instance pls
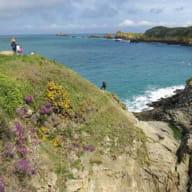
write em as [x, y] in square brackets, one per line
[55, 142]
[43, 129]
[58, 96]
[44, 138]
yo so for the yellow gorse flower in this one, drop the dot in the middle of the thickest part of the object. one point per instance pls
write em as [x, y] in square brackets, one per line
[44, 138]
[58, 96]
[43, 129]
[55, 142]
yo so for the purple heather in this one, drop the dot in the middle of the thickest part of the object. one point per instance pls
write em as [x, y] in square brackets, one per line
[29, 98]
[2, 185]
[22, 167]
[48, 104]
[44, 110]
[89, 148]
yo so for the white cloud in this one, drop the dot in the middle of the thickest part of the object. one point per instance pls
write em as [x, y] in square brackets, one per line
[128, 22]
[20, 4]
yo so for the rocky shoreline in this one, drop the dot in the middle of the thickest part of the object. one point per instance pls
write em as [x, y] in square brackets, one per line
[169, 42]
[176, 110]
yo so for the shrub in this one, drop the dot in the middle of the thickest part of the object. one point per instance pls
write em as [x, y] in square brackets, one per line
[58, 97]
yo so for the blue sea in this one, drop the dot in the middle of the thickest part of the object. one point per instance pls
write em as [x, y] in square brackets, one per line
[138, 73]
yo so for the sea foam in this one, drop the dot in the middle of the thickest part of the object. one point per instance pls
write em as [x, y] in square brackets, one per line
[139, 103]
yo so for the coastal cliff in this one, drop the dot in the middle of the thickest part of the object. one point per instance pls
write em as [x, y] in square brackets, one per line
[58, 133]
[160, 34]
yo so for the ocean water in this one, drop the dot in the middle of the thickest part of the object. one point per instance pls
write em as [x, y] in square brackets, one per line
[137, 72]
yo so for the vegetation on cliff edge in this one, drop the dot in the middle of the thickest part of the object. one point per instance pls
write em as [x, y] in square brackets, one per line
[50, 117]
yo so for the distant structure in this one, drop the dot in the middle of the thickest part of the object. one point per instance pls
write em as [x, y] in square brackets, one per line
[61, 34]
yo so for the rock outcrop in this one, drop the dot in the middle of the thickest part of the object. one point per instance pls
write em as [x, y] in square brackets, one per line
[177, 110]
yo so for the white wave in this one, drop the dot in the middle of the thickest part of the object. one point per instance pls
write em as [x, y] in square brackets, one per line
[139, 103]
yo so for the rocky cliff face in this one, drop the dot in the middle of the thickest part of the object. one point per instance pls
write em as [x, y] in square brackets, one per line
[162, 173]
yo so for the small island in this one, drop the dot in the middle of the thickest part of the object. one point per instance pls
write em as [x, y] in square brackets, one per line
[94, 37]
[109, 36]
[62, 34]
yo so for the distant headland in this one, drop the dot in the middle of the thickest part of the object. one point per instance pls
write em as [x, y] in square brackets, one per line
[159, 34]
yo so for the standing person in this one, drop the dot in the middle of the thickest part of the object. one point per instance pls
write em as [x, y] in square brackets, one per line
[14, 45]
[104, 85]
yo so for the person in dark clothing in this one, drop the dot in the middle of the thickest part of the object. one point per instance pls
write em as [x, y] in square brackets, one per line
[14, 45]
[104, 85]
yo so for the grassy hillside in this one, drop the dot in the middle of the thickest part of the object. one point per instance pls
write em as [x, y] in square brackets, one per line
[165, 32]
[50, 118]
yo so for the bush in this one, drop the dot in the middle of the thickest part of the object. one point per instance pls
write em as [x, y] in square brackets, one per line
[58, 97]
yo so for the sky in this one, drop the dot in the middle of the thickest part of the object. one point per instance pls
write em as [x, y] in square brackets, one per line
[91, 16]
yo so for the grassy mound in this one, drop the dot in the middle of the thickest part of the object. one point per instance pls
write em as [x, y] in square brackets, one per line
[50, 114]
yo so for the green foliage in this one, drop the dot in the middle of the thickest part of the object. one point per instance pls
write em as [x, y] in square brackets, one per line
[176, 132]
[11, 96]
[67, 132]
[76, 164]
[4, 127]
[183, 34]
[70, 176]
[123, 105]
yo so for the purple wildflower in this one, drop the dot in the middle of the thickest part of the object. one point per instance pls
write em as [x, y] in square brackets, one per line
[44, 110]
[35, 142]
[19, 132]
[76, 145]
[89, 148]
[22, 167]
[2, 189]
[22, 150]
[48, 104]
[9, 150]
[19, 128]
[32, 130]
[29, 98]
[19, 111]
[2, 185]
